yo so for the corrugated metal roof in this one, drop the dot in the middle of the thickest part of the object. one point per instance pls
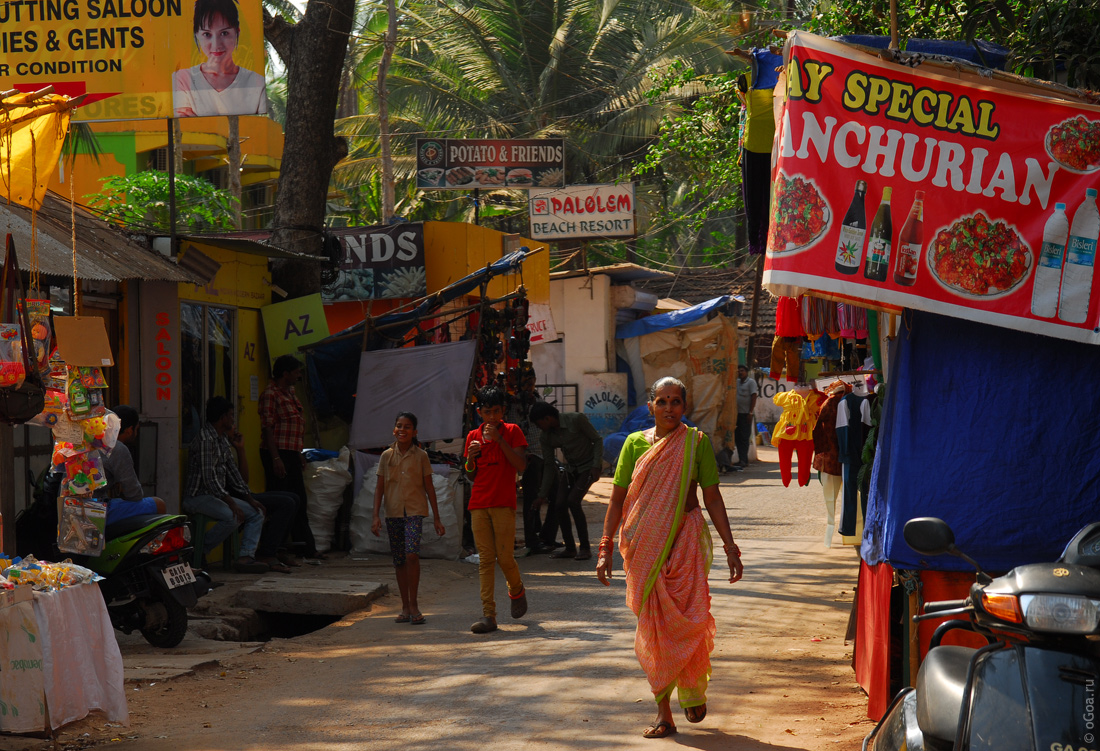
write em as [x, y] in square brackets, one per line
[103, 252]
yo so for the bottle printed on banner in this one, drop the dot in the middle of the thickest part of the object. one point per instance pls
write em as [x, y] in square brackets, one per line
[910, 241]
[1073, 303]
[877, 263]
[1048, 272]
[853, 231]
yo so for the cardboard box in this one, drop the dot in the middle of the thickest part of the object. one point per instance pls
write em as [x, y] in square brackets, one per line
[9, 597]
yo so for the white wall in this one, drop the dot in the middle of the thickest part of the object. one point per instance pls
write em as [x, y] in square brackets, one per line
[582, 312]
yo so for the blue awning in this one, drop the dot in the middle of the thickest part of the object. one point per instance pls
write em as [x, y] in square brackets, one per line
[651, 324]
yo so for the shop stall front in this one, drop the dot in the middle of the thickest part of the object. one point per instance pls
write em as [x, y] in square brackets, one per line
[967, 202]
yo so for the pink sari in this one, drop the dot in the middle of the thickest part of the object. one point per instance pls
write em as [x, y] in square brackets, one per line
[667, 555]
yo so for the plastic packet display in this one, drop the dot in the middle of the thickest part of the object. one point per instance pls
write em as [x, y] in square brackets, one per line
[38, 312]
[57, 377]
[91, 378]
[80, 403]
[101, 432]
[67, 431]
[12, 369]
[83, 474]
[52, 411]
[81, 525]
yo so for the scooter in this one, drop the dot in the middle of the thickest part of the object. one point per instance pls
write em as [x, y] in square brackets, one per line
[1033, 686]
[148, 582]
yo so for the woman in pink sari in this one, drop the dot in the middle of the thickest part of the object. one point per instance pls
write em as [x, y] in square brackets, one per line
[666, 549]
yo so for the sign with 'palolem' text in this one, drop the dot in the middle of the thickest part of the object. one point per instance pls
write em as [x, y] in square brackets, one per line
[579, 211]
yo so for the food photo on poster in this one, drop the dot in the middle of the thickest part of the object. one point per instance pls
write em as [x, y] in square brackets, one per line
[919, 188]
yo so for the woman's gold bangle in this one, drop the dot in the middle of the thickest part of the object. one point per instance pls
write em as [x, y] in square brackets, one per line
[732, 549]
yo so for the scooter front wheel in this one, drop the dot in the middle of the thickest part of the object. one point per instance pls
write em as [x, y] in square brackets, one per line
[172, 630]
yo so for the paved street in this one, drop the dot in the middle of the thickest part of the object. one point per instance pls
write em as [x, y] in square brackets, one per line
[563, 677]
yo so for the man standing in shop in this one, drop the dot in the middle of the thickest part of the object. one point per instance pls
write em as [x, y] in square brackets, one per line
[582, 448]
[284, 431]
[747, 392]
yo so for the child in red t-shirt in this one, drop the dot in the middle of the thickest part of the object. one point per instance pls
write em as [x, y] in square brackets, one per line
[495, 453]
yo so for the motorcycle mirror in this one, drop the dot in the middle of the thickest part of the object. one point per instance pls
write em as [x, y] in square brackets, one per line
[929, 536]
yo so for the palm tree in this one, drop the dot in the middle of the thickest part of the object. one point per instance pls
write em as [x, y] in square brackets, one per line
[573, 69]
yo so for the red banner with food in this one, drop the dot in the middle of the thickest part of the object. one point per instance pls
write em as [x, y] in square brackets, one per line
[937, 190]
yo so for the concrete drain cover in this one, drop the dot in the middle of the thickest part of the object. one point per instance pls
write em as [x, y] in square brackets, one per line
[309, 596]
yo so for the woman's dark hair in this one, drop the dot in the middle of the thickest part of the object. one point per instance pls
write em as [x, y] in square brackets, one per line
[127, 416]
[668, 381]
[407, 415]
[216, 408]
[539, 410]
[285, 364]
[205, 10]
[490, 396]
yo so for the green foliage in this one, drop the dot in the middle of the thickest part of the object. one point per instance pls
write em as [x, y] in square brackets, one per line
[140, 202]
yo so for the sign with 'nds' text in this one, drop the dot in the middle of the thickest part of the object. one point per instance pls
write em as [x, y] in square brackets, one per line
[137, 59]
[936, 191]
[578, 211]
[377, 263]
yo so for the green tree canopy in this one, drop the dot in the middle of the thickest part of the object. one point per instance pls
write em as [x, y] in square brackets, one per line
[139, 201]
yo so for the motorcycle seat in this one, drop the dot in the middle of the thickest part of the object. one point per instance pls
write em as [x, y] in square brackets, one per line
[131, 524]
[941, 684]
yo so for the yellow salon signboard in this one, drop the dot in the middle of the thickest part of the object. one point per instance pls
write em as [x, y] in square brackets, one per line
[137, 59]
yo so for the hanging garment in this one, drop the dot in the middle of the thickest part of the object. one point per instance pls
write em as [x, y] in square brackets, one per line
[756, 175]
[794, 432]
[853, 418]
[785, 355]
[813, 316]
[788, 317]
[827, 457]
[756, 147]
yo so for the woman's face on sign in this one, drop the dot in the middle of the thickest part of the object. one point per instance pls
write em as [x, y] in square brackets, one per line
[216, 38]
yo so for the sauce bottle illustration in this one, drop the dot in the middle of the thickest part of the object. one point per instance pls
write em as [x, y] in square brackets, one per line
[853, 231]
[1048, 272]
[909, 243]
[877, 263]
[1073, 305]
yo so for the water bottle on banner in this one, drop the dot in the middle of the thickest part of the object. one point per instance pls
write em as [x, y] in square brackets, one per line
[1073, 306]
[1048, 272]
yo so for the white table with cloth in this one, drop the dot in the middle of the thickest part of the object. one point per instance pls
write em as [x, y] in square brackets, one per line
[59, 661]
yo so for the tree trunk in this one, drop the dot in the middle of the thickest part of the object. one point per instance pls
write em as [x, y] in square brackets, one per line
[384, 113]
[313, 51]
[233, 152]
[177, 149]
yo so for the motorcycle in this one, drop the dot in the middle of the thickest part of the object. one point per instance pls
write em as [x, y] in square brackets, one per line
[148, 582]
[1033, 685]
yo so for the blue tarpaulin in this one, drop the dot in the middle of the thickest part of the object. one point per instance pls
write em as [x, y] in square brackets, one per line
[992, 430]
[650, 324]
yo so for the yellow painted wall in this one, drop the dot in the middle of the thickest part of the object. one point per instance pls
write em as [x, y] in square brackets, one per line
[453, 250]
[242, 282]
[86, 174]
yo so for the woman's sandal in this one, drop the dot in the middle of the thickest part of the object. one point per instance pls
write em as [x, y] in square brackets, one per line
[418, 620]
[660, 729]
[695, 714]
[403, 618]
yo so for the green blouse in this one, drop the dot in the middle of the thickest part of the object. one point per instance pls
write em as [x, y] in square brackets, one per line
[705, 470]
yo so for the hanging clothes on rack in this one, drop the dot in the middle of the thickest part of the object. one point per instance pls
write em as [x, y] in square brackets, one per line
[794, 433]
[756, 145]
[853, 419]
[827, 454]
[787, 344]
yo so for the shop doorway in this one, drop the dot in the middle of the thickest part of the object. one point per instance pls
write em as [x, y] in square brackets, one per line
[208, 335]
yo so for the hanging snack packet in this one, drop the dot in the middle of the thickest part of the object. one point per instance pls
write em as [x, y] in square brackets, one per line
[81, 525]
[79, 399]
[38, 312]
[12, 369]
[92, 378]
[58, 375]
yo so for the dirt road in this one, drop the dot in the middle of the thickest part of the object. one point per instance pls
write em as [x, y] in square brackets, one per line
[563, 677]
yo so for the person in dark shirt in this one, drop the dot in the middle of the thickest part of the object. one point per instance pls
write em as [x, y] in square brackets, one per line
[123, 492]
[582, 448]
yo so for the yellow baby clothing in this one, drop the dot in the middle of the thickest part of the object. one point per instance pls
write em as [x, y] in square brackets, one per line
[799, 416]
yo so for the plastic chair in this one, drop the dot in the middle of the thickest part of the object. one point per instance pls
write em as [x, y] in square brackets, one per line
[231, 548]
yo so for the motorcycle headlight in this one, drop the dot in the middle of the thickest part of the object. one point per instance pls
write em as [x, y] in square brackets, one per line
[1062, 614]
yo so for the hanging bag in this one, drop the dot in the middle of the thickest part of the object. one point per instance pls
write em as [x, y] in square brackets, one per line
[18, 404]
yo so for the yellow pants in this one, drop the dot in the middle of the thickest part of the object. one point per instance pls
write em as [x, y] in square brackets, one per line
[494, 534]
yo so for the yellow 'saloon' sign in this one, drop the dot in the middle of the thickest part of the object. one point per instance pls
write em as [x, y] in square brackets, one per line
[137, 59]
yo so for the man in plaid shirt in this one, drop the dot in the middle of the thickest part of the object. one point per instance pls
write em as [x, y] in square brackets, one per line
[283, 440]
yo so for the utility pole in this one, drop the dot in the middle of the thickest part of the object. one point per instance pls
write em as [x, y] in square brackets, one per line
[384, 113]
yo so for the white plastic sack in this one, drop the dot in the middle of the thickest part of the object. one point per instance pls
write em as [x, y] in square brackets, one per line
[448, 495]
[325, 483]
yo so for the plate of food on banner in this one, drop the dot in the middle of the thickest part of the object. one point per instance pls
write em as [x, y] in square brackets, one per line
[1075, 144]
[979, 258]
[800, 215]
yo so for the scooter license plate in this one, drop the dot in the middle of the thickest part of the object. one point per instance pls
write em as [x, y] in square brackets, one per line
[178, 575]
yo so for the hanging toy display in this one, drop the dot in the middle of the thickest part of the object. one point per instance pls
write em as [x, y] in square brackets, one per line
[12, 368]
[81, 526]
